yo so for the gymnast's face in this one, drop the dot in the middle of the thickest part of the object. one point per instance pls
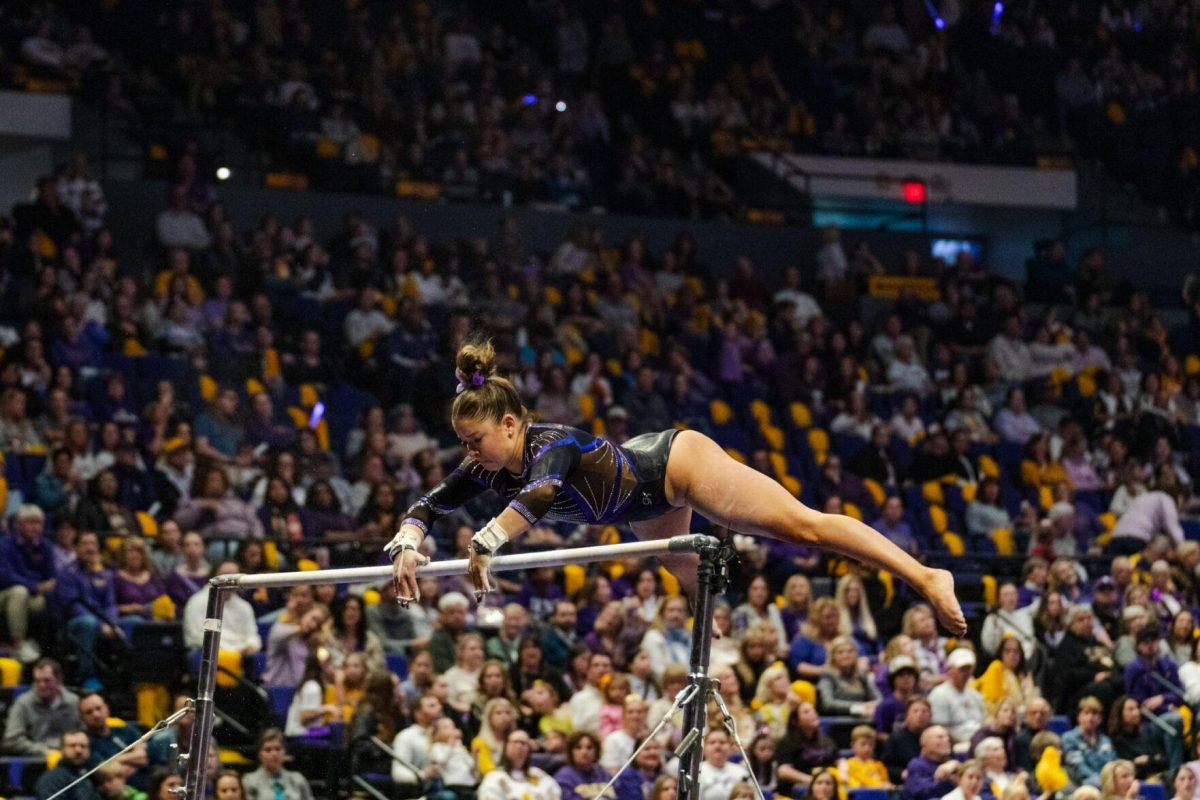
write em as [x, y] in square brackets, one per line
[494, 445]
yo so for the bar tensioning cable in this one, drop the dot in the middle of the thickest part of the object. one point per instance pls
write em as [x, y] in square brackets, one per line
[690, 543]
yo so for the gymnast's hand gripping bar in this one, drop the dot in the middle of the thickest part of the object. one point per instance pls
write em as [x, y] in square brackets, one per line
[690, 543]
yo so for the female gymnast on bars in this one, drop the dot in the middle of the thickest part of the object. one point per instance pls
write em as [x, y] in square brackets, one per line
[653, 482]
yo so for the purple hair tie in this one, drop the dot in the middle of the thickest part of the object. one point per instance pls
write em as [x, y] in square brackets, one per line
[477, 379]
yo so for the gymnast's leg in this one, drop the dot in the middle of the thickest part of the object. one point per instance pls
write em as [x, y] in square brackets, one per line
[701, 475]
[676, 522]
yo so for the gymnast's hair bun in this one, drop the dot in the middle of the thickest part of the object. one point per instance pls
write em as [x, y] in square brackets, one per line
[475, 359]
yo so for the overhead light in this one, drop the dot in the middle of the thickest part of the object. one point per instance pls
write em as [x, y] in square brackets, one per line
[560, 106]
[223, 173]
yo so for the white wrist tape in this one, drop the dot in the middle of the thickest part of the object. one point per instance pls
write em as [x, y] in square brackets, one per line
[404, 539]
[491, 536]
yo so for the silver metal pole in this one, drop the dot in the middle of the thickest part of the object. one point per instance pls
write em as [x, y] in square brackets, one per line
[197, 754]
[691, 543]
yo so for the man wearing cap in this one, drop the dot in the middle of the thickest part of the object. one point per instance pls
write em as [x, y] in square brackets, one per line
[617, 425]
[27, 577]
[173, 476]
[931, 774]
[956, 703]
[452, 624]
[902, 679]
[1082, 665]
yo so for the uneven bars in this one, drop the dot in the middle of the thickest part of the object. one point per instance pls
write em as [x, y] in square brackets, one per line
[690, 543]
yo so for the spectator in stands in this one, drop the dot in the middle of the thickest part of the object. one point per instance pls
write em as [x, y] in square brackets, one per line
[38, 719]
[1014, 423]
[957, 705]
[718, 775]
[27, 578]
[844, 690]
[192, 571]
[136, 584]
[895, 527]
[931, 774]
[217, 512]
[452, 624]
[904, 743]
[1086, 749]
[239, 629]
[288, 646]
[72, 765]
[804, 747]
[1147, 515]
[106, 739]
[515, 776]
[582, 777]
[271, 780]
[179, 226]
[505, 645]
[463, 677]
[86, 597]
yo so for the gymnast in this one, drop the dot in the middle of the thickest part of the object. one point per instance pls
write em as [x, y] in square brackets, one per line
[654, 481]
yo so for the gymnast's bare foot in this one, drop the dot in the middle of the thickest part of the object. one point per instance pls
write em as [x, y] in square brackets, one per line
[939, 591]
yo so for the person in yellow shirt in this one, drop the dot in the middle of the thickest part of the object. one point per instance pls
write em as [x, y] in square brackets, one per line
[862, 770]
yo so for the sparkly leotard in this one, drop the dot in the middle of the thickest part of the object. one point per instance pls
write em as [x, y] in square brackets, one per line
[566, 475]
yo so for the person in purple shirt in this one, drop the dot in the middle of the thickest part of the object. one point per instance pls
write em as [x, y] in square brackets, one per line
[893, 525]
[582, 778]
[1154, 682]
[87, 600]
[27, 577]
[540, 593]
[931, 774]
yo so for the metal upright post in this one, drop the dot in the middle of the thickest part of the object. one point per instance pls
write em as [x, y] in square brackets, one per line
[197, 755]
[711, 576]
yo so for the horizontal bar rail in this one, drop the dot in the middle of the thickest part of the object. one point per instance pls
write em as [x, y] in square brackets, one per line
[691, 543]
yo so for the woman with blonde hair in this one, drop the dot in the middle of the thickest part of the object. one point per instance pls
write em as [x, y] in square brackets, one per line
[754, 656]
[1118, 781]
[969, 777]
[797, 596]
[463, 677]
[918, 624]
[137, 583]
[845, 689]
[855, 611]
[774, 699]
[808, 653]
[498, 720]
[731, 693]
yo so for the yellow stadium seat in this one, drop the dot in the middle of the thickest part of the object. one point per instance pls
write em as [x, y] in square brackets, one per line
[573, 577]
[853, 511]
[147, 523]
[553, 296]
[573, 355]
[153, 701]
[648, 343]
[308, 395]
[52, 758]
[113, 543]
[307, 565]
[773, 437]
[10, 672]
[587, 407]
[1045, 497]
[937, 515]
[989, 466]
[271, 554]
[389, 306]
[1187, 716]
[598, 427]
[371, 597]
[613, 366]
[720, 412]
[1108, 520]
[1086, 385]
[792, 484]
[736, 455]
[991, 591]
[801, 416]
[932, 492]
[778, 464]
[818, 440]
[669, 582]
[968, 491]
[228, 661]
[1191, 364]
[1002, 538]
[954, 543]
[232, 758]
[761, 412]
[254, 386]
[208, 389]
[876, 490]
[327, 148]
